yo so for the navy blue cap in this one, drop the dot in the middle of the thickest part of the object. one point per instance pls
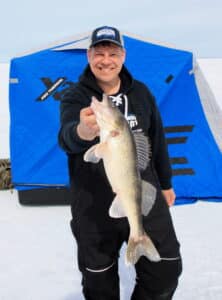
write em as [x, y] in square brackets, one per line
[106, 34]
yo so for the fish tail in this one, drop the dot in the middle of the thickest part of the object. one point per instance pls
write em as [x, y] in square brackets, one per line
[141, 246]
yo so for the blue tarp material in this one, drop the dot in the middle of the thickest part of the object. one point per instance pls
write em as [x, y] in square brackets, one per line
[38, 81]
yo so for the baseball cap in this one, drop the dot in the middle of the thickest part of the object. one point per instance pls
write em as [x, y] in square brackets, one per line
[106, 34]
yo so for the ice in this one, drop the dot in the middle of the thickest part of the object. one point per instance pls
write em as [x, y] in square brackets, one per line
[38, 252]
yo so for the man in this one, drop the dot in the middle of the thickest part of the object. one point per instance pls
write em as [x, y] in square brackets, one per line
[100, 237]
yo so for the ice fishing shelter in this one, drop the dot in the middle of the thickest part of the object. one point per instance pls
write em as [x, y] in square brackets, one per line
[191, 116]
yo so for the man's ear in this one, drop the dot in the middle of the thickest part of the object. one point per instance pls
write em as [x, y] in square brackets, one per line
[89, 52]
[124, 55]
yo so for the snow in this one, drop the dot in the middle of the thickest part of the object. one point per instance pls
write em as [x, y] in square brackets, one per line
[38, 252]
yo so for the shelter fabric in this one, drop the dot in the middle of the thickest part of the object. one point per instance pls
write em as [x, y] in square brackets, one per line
[39, 79]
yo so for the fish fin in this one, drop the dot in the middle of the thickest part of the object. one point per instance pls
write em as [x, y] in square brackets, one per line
[148, 197]
[142, 246]
[116, 209]
[143, 149]
[91, 155]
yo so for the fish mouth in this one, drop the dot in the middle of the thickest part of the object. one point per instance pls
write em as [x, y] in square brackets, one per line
[107, 114]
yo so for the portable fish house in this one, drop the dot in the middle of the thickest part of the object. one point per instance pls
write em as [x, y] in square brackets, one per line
[191, 117]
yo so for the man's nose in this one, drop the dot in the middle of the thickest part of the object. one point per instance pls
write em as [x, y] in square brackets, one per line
[106, 59]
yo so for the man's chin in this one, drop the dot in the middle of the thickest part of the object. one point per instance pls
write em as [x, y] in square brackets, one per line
[106, 79]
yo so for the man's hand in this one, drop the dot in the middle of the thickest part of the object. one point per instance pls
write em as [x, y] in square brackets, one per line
[170, 196]
[87, 128]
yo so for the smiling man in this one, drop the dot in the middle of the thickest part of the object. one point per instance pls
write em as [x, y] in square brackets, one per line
[100, 237]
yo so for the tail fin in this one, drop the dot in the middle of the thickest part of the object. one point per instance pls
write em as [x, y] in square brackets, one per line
[142, 246]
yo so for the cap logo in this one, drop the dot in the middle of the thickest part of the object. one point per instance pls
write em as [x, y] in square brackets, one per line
[107, 32]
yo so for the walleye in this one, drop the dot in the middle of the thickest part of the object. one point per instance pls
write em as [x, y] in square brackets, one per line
[134, 197]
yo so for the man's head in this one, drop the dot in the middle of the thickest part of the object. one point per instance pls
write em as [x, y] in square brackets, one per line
[106, 54]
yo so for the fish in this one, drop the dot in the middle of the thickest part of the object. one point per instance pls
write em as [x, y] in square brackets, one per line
[133, 196]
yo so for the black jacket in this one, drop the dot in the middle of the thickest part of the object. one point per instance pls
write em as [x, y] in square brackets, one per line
[88, 181]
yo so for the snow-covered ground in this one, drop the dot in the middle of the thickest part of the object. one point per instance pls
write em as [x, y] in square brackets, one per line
[38, 253]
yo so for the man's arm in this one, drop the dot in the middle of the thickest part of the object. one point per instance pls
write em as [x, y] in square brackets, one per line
[78, 126]
[161, 156]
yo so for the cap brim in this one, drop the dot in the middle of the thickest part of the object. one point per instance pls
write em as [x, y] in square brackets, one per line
[106, 40]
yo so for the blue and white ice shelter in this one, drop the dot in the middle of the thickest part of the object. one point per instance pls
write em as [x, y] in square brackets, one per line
[191, 116]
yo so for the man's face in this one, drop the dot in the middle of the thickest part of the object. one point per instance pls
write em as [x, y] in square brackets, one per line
[106, 62]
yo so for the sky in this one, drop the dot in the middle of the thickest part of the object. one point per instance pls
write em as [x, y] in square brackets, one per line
[193, 25]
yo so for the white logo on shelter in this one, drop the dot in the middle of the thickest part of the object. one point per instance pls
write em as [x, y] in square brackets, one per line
[107, 31]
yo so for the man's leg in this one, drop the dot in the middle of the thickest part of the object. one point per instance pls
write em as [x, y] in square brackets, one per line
[101, 284]
[156, 281]
[98, 262]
